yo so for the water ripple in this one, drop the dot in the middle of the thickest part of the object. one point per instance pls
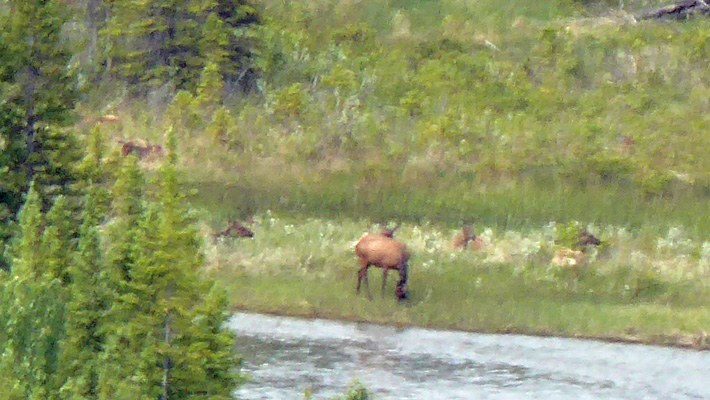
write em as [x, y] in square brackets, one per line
[285, 356]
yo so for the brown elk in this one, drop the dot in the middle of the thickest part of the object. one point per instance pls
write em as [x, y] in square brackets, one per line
[108, 119]
[382, 251]
[466, 236]
[140, 151]
[586, 239]
[627, 144]
[235, 229]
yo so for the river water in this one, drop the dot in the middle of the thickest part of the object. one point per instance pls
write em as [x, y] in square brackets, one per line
[285, 356]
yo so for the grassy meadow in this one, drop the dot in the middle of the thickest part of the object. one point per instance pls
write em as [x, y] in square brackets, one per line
[636, 287]
[530, 120]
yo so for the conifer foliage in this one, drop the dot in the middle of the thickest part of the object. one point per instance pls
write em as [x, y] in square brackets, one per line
[116, 309]
[31, 312]
[100, 291]
[163, 313]
[156, 42]
[38, 93]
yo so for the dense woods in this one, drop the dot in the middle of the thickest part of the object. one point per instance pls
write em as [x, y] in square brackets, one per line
[101, 291]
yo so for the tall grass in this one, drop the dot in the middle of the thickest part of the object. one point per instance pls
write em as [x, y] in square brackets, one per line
[449, 201]
[640, 286]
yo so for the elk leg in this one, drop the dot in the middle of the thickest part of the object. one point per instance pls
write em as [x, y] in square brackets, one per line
[384, 280]
[362, 275]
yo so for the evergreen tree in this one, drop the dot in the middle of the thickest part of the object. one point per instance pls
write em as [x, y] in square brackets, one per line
[209, 91]
[166, 319]
[33, 312]
[237, 64]
[127, 210]
[117, 374]
[90, 168]
[90, 300]
[58, 240]
[24, 251]
[37, 95]
[154, 42]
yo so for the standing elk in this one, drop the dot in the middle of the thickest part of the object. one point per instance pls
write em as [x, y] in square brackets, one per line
[235, 229]
[382, 251]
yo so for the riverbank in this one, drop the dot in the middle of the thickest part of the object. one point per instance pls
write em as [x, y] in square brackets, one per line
[636, 289]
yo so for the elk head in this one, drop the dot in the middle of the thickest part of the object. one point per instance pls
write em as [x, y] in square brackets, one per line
[389, 232]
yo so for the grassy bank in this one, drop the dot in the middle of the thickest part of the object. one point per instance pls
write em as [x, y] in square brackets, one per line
[638, 287]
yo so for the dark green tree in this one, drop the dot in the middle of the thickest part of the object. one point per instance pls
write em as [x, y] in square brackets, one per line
[152, 42]
[227, 40]
[58, 240]
[24, 251]
[168, 341]
[117, 372]
[90, 299]
[38, 93]
[32, 312]
[157, 42]
[127, 210]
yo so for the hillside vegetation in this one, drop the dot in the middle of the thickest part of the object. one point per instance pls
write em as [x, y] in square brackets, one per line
[507, 113]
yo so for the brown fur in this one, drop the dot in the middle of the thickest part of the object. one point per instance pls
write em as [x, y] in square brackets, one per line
[382, 251]
[567, 258]
[389, 232]
[587, 239]
[109, 118]
[466, 236]
[140, 151]
[235, 229]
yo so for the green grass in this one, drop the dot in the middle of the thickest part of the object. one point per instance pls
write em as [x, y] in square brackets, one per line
[448, 200]
[307, 267]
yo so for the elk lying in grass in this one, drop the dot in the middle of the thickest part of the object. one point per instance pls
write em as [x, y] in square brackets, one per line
[568, 258]
[140, 151]
[576, 255]
[382, 251]
[462, 240]
[586, 239]
[235, 229]
[102, 119]
[466, 236]
[108, 119]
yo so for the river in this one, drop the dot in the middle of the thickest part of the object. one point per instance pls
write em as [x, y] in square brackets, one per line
[285, 356]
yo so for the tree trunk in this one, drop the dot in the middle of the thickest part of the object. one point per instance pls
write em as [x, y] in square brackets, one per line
[166, 358]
